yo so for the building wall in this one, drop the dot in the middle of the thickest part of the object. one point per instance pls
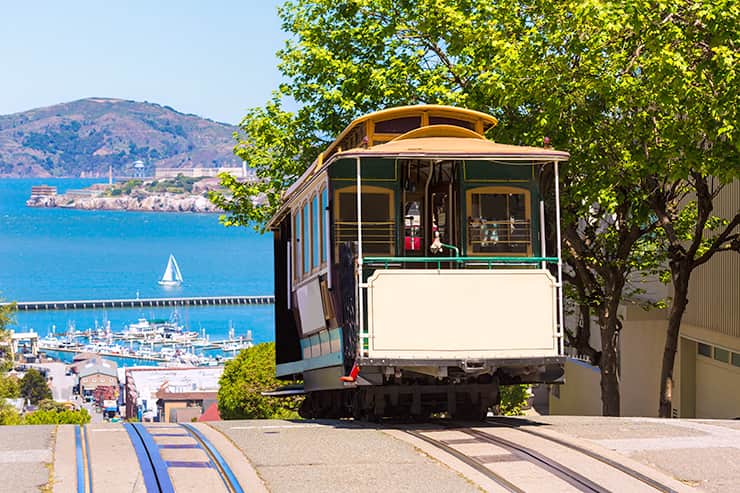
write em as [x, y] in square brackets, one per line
[168, 407]
[708, 386]
[91, 382]
[641, 346]
[198, 172]
[714, 292]
[581, 393]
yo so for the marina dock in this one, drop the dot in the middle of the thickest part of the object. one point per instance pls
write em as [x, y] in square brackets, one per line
[144, 303]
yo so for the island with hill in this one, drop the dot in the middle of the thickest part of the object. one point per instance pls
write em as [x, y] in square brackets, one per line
[89, 137]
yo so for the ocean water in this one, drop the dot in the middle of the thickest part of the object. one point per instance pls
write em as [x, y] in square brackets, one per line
[67, 254]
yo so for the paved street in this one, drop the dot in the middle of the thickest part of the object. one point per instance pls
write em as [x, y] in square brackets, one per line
[286, 456]
[61, 384]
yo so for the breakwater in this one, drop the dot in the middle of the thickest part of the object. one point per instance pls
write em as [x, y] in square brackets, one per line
[144, 303]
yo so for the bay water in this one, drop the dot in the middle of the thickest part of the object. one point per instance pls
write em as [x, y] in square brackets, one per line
[68, 254]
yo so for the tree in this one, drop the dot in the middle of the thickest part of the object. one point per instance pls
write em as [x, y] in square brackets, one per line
[6, 319]
[34, 386]
[243, 380]
[604, 80]
[10, 387]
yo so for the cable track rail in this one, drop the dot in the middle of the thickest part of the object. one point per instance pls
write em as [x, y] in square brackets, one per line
[84, 468]
[227, 476]
[542, 461]
[594, 455]
[475, 464]
[154, 469]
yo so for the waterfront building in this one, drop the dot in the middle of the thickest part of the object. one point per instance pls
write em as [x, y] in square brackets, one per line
[97, 372]
[200, 172]
[144, 383]
[43, 191]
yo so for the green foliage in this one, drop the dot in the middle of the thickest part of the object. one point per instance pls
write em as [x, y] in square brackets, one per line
[10, 387]
[513, 399]
[8, 415]
[34, 387]
[57, 416]
[6, 319]
[127, 187]
[48, 413]
[252, 372]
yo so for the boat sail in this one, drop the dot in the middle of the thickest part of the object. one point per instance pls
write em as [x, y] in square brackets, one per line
[172, 275]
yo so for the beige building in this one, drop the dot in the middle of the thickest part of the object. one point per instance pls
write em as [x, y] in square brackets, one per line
[177, 407]
[97, 372]
[707, 367]
[200, 172]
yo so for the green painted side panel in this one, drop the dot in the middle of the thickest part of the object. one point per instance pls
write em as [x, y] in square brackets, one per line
[372, 170]
[325, 360]
[487, 171]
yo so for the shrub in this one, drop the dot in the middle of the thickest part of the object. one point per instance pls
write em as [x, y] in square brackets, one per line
[243, 380]
[57, 417]
[513, 399]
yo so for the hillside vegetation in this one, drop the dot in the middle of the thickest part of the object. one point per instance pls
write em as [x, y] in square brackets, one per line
[85, 137]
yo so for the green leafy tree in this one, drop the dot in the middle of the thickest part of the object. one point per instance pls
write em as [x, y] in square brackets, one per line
[34, 387]
[8, 415]
[243, 380]
[642, 95]
[10, 387]
[7, 311]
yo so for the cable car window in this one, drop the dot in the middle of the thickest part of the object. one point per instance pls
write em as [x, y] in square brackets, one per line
[378, 226]
[297, 232]
[316, 231]
[443, 120]
[499, 221]
[398, 125]
[324, 205]
[305, 218]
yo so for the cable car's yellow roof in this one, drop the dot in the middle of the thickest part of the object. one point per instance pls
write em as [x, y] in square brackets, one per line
[456, 148]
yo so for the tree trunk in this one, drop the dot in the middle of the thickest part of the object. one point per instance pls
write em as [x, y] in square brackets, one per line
[609, 364]
[610, 398]
[681, 276]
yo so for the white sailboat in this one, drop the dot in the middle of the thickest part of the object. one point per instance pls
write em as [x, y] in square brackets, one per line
[172, 275]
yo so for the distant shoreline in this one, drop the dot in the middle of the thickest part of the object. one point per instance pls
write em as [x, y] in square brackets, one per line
[134, 195]
[155, 203]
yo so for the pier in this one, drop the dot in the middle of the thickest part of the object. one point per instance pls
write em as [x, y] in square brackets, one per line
[143, 303]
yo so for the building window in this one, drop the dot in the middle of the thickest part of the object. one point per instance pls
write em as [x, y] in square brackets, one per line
[378, 225]
[316, 229]
[499, 221]
[704, 350]
[722, 355]
[735, 359]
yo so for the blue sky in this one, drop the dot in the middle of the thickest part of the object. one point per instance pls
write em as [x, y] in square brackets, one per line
[212, 58]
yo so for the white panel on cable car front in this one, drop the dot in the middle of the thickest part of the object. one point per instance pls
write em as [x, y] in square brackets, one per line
[432, 314]
[310, 307]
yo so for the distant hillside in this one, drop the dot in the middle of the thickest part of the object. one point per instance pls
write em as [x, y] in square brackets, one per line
[85, 137]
